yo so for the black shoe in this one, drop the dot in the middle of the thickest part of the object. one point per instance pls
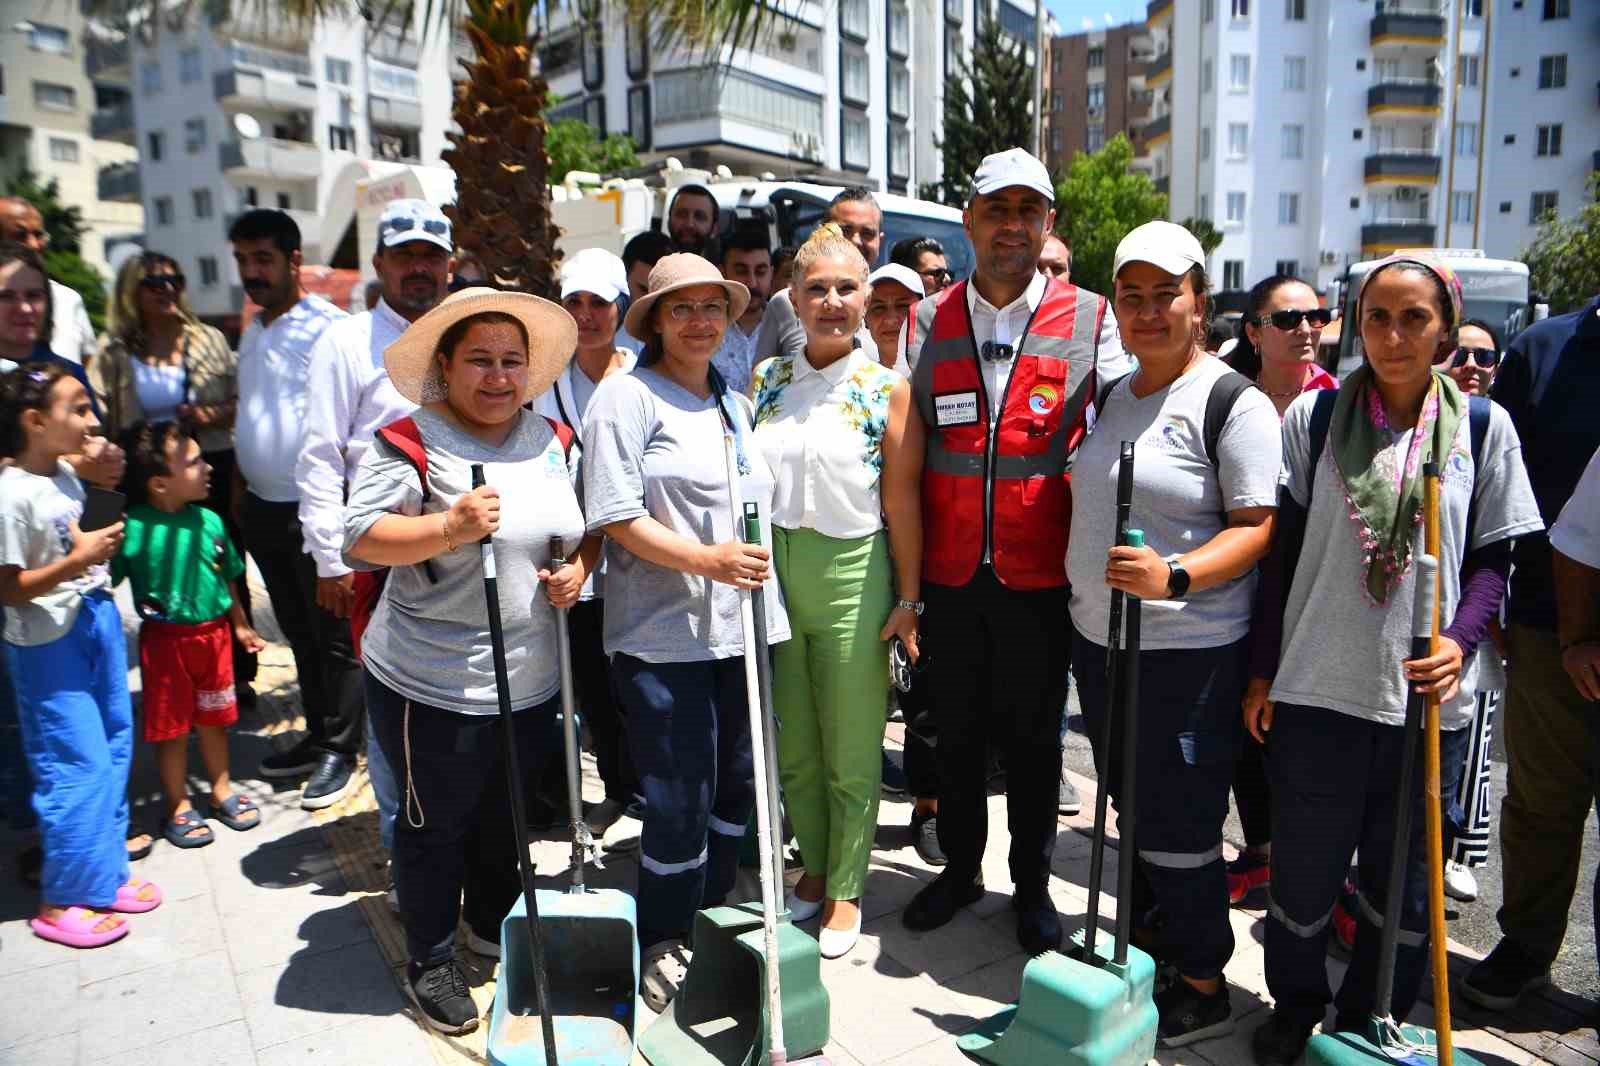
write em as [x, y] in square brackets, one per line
[937, 903]
[442, 997]
[296, 762]
[1504, 977]
[328, 782]
[925, 838]
[1038, 924]
[1188, 1014]
[1280, 1041]
[894, 778]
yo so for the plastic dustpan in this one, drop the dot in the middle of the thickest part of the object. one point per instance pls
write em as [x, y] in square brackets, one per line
[1383, 1041]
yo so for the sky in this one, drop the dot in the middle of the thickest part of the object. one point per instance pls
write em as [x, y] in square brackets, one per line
[1076, 16]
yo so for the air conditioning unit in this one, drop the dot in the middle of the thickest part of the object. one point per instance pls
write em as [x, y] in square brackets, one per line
[1405, 194]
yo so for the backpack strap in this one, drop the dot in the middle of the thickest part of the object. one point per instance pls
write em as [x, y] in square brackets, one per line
[1225, 392]
[563, 433]
[405, 439]
[1105, 390]
[1478, 408]
[1321, 422]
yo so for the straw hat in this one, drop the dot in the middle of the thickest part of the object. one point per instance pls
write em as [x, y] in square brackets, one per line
[682, 270]
[552, 338]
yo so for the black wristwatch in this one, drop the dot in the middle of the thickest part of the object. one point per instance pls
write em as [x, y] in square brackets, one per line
[1177, 579]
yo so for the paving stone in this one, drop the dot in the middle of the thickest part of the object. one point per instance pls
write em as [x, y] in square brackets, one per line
[317, 992]
[42, 996]
[174, 931]
[60, 1049]
[121, 1014]
[395, 1039]
[881, 1008]
[21, 952]
[293, 923]
[223, 1045]
[964, 944]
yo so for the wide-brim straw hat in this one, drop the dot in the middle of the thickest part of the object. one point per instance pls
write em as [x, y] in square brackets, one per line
[681, 270]
[552, 338]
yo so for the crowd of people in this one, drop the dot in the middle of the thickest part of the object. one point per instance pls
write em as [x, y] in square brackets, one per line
[934, 461]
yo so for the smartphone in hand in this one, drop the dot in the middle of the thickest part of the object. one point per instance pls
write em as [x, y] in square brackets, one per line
[101, 508]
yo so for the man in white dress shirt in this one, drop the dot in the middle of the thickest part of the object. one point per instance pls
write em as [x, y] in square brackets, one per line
[71, 335]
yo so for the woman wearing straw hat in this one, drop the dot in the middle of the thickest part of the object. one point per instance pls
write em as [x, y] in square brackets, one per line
[1335, 611]
[656, 483]
[471, 363]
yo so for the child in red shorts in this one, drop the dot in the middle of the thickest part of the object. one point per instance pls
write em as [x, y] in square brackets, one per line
[183, 569]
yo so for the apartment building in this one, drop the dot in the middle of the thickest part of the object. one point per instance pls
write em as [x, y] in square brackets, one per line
[1097, 89]
[61, 118]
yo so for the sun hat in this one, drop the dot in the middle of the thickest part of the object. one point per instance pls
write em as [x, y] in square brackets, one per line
[552, 338]
[1014, 166]
[681, 270]
[413, 220]
[594, 270]
[1165, 245]
[902, 275]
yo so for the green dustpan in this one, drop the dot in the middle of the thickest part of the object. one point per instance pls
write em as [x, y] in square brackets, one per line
[1383, 1041]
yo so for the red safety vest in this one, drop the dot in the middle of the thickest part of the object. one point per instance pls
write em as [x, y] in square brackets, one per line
[1022, 519]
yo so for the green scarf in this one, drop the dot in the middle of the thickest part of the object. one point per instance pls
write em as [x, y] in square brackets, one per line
[1386, 505]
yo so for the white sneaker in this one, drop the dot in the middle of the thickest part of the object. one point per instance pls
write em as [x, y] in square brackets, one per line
[836, 943]
[1459, 883]
[664, 967]
[623, 834]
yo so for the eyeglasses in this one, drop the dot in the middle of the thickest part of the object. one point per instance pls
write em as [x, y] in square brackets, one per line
[1287, 320]
[1487, 358]
[715, 310]
[175, 282]
[402, 225]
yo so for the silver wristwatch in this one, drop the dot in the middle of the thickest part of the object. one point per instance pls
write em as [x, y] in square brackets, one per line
[916, 607]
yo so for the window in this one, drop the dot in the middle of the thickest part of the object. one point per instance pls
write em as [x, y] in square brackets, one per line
[202, 203]
[854, 83]
[639, 115]
[594, 113]
[1294, 74]
[157, 142]
[1472, 9]
[1553, 72]
[1461, 206]
[856, 150]
[593, 57]
[1055, 139]
[1294, 10]
[1205, 206]
[1236, 208]
[163, 206]
[1238, 140]
[899, 152]
[194, 135]
[1241, 9]
[1055, 101]
[1557, 9]
[1096, 137]
[899, 91]
[1239, 74]
[1468, 71]
[284, 201]
[1097, 96]
[899, 29]
[63, 150]
[337, 71]
[189, 66]
[209, 274]
[1541, 204]
[1097, 56]
[54, 39]
[342, 138]
[1205, 142]
[1289, 268]
[1549, 139]
[1288, 209]
[1294, 141]
[1466, 139]
[952, 51]
[637, 47]
[1233, 274]
[853, 18]
[1208, 78]
[1208, 10]
[149, 78]
[54, 97]
[249, 197]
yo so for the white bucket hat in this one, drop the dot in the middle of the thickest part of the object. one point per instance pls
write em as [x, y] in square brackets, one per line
[552, 338]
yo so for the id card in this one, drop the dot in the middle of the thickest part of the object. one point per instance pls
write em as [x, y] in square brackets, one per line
[955, 409]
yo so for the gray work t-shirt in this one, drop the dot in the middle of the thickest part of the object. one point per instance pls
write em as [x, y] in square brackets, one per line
[654, 448]
[36, 516]
[429, 640]
[1342, 651]
[1179, 499]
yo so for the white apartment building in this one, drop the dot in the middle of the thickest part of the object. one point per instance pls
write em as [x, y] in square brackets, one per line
[60, 119]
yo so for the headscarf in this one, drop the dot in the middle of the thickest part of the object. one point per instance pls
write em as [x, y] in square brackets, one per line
[1382, 487]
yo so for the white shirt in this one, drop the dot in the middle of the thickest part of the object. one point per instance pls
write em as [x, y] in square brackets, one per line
[159, 387]
[71, 335]
[1576, 533]
[821, 432]
[273, 384]
[350, 399]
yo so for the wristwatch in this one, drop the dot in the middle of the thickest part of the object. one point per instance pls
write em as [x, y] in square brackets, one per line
[916, 607]
[1177, 579]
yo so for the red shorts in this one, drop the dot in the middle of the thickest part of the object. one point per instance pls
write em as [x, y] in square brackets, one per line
[187, 672]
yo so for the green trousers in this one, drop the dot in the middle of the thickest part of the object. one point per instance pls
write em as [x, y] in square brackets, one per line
[830, 684]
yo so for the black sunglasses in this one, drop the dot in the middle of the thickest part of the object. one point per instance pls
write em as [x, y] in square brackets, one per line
[1484, 357]
[402, 225]
[937, 274]
[1287, 320]
[152, 282]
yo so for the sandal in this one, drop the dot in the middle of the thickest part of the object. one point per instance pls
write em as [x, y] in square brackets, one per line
[664, 968]
[74, 927]
[143, 850]
[237, 813]
[129, 901]
[180, 825]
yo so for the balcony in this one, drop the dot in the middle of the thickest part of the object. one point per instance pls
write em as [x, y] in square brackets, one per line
[1158, 71]
[1157, 12]
[392, 45]
[106, 61]
[1408, 24]
[114, 123]
[1418, 166]
[400, 114]
[271, 90]
[1405, 96]
[1157, 130]
[711, 104]
[119, 183]
[269, 158]
[1389, 234]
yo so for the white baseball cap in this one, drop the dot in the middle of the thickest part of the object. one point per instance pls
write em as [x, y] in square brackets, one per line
[413, 220]
[901, 275]
[1014, 166]
[594, 270]
[1165, 245]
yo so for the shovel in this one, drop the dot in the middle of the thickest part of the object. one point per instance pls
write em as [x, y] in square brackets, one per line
[753, 994]
[1092, 1008]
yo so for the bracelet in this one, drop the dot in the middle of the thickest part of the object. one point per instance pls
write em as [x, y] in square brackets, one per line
[1579, 643]
[444, 527]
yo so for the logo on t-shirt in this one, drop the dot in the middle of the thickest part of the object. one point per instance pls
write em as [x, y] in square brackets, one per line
[1170, 436]
[1042, 399]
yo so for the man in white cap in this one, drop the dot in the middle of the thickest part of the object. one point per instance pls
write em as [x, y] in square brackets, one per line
[1002, 368]
[350, 397]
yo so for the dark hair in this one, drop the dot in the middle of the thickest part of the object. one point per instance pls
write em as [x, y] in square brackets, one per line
[783, 254]
[266, 224]
[1493, 333]
[746, 238]
[458, 329]
[27, 388]
[1245, 358]
[906, 252]
[146, 446]
[1441, 295]
[1219, 331]
[1202, 289]
[647, 247]
[694, 189]
[855, 194]
[14, 252]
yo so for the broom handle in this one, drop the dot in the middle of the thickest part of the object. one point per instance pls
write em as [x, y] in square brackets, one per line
[1127, 819]
[769, 725]
[569, 731]
[1432, 809]
[519, 816]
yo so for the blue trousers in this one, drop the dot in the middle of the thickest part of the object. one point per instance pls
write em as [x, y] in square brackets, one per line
[77, 731]
[689, 732]
[385, 788]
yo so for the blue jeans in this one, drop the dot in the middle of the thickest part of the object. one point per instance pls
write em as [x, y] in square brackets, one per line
[385, 788]
[689, 731]
[77, 730]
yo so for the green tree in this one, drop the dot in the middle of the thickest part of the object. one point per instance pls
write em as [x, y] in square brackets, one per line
[988, 107]
[1564, 258]
[63, 257]
[572, 145]
[1098, 201]
[1208, 235]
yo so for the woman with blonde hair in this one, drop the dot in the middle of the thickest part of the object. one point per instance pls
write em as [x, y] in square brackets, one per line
[832, 423]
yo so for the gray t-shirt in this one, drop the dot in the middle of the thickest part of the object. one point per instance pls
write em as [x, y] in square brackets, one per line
[654, 448]
[429, 640]
[1341, 650]
[36, 516]
[1179, 499]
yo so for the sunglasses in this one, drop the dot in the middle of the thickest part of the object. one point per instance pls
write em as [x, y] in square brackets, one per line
[938, 274]
[1484, 357]
[902, 671]
[153, 282]
[1287, 320]
[402, 225]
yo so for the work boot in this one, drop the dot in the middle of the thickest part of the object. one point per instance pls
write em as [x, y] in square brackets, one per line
[442, 997]
[1503, 978]
[1280, 1041]
[1188, 1014]
[1038, 924]
[941, 898]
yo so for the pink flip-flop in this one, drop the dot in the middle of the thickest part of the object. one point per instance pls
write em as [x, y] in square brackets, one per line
[128, 901]
[74, 927]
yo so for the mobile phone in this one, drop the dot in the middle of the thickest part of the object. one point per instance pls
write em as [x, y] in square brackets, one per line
[101, 508]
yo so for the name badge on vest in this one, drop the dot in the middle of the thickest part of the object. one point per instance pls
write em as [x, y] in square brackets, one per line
[955, 409]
